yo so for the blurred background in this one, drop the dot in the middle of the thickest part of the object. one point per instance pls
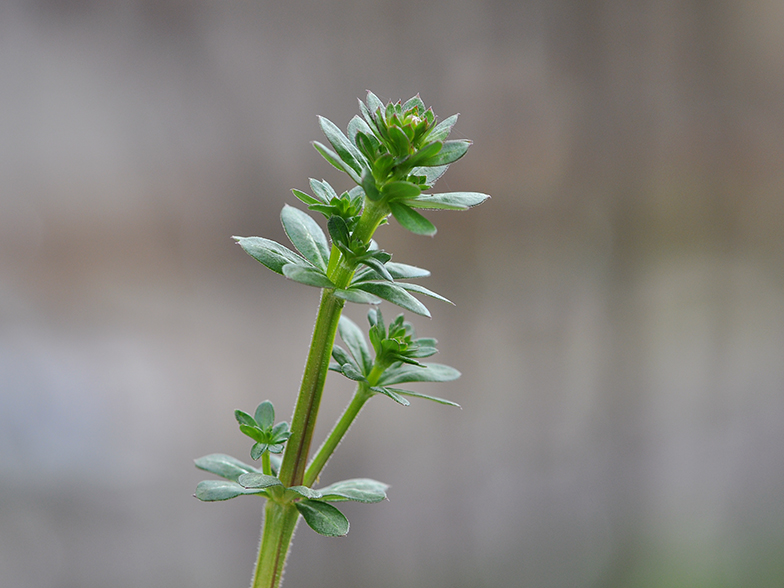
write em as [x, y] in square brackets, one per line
[620, 300]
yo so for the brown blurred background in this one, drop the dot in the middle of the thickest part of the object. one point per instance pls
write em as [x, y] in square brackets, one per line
[620, 300]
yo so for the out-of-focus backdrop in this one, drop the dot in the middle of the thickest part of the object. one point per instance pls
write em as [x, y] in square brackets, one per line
[620, 300]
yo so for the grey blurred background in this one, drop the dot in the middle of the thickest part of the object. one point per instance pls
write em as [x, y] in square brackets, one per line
[620, 300]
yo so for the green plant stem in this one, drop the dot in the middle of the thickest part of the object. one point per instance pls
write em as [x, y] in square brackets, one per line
[303, 422]
[361, 396]
[279, 523]
[266, 467]
[280, 518]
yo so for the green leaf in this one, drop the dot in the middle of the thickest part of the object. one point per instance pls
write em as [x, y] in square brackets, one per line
[432, 372]
[280, 432]
[357, 296]
[398, 141]
[258, 450]
[215, 490]
[425, 396]
[323, 190]
[335, 160]
[367, 144]
[411, 220]
[244, 418]
[254, 433]
[306, 236]
[323, 518]
[448, 200]
[352, 373]
[258, 480]
[265, 414]
[441, 130]
[392, 292]
[423, 154]
[373, 104]
[392, 394]
[379, 267]
[450, 152]
[343, 358]
[309, 276]
[275, 448]
[368, 183]
[431, 173]
[357, 490]
[269, 253]
[400, 190]
[357, 125]
[421, 351]
[369, 118]
[422, 290]
[344, 148]
[338, 230]
[224, 466]
[355, 341]
[306, 198]
[302, 492]
[415, 101]
[403, 271]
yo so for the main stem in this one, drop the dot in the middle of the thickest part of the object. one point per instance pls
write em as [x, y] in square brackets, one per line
[361, 396]
[279, 523]
[303, 422]
[280, 518]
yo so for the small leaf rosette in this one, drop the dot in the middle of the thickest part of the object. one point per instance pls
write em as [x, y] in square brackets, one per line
[397, 351]
[313, 504]
[261, 427]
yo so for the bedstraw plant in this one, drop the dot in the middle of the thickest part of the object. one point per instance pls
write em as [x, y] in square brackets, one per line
[394, 154]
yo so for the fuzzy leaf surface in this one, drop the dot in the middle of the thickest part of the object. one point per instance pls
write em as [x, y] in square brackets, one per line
[442, 129]
[355, 341]
[343, 147]
[258, 480]
[449, 200]
[216, 490]
[411, 220]
[450, 152]
[356, 489]
[392, 292]
[224, 466]
[403, 271]
[432, 174]
[265, 414]
[306, 235]
[357, 296]
[391, 393]
[425, 396]
[422, 290]
[309, 276]
[335, 160]
[432, 372]
[323, 518]
[270, 253]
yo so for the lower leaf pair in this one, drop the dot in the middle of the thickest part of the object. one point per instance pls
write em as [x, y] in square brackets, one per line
[313, 504]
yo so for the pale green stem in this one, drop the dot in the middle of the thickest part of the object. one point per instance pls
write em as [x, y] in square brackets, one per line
[361, 396]
[303, 422]
[281, 518]
[279, 523]
[327, 448]
[266, 467]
